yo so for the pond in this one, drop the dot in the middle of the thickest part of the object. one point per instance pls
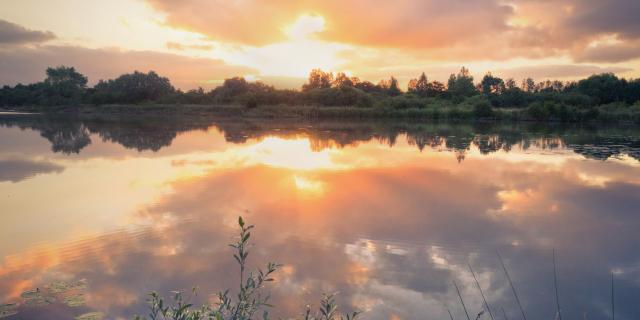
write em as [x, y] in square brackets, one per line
[97, 212]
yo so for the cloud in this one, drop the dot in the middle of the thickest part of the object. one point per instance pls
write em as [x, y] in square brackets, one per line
[612, 53]
[605, 16]
[26, 65]
[476, 29]
[403, 23]
[16, 170]
[11, 33]
[182, 47]
[557, 71]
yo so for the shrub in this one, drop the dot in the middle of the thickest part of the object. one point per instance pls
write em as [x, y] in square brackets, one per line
[538, 111]
[405, 102]
[483, 110]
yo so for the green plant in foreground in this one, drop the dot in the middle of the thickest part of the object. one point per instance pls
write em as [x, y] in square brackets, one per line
[250, 299]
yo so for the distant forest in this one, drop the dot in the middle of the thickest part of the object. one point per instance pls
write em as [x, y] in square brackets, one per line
[546, 100]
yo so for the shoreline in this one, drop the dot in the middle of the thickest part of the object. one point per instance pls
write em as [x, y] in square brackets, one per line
[454, 114]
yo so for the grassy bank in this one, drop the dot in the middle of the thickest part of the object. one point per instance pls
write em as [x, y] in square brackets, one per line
[548, 112]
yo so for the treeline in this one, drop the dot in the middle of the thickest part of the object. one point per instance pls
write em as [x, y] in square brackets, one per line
[547, 100]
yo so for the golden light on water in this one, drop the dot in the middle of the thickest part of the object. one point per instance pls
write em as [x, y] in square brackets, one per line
[308, 185]
[289, 153]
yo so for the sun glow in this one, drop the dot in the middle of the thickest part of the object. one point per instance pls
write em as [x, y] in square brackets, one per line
[294, 57]
[305, 27]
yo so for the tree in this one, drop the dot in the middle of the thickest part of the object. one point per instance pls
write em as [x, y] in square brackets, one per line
[390, 86]
[67, 76]
[318, 79]
[64, 85]
[604, 88]
[528, 85]
[419, 86]
[491, 84]
[368, 87]
[133, 88]
[461, 85]
[235, 86]
[435, 89]
[342, 80]
[632, 91]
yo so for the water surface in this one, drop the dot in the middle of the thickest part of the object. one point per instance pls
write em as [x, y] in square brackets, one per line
[388, 214]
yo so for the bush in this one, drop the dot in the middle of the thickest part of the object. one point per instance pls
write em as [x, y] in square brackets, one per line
[483, 110]
[344, 96]
[538, 111]
[405, 102]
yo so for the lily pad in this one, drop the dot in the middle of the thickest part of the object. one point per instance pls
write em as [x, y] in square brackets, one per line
[90, 316]
[8, 309]
[64, 286]
[35, 298]
[30, 294]
[39, 301]
[75, 301]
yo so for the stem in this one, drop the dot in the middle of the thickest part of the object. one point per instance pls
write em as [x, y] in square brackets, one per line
[513, 288]
[461, 301]
[613, 306]
[504, 314]
[481, 293]
[555, 284]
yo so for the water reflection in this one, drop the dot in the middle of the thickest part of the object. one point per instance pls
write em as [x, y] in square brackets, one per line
[154, 133]
[386, 214]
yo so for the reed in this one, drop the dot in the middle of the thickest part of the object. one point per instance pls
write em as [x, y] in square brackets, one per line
[481, 292]
[555, 285]
[513, 288]
[461, 300]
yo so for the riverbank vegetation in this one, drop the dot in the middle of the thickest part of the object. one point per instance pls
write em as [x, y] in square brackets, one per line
[251, 301]
[602, 97]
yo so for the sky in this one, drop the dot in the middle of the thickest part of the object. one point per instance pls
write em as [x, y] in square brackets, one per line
[199, 43]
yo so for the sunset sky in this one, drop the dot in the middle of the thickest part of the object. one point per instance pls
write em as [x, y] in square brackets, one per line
[201, 42]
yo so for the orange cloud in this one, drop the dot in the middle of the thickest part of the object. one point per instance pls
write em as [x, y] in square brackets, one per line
[403, 23]
[477, 29]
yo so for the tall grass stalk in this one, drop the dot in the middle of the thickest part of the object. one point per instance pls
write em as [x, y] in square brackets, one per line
[504, 314]
[513, 288]
[481, 292]
[450, 315]
[613, 305]
[461, 300]
[555, 285]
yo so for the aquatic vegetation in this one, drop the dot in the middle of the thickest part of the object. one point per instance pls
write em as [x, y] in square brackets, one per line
[250, 299]
[90, 316]
[8, 309]
[68, 293]
[64, 286]
[75, 300]
[36, 298]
